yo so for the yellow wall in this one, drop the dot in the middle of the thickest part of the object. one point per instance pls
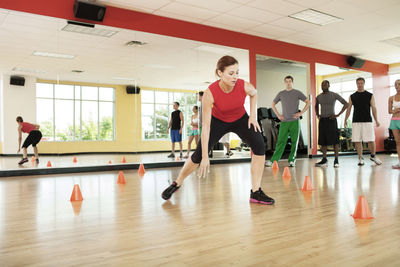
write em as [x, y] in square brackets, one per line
[128, 137]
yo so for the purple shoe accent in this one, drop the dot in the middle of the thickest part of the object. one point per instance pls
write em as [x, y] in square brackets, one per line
[252, 200]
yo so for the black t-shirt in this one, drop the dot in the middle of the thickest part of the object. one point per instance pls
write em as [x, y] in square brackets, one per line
[362, 106]
[176, 120]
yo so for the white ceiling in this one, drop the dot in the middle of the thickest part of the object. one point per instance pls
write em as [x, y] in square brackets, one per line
[366, 22]
[164, 62]
[168, 62]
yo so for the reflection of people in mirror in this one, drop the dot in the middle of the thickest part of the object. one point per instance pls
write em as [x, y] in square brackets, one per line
[394, 108]
[223, 112]
[194, 132]
[34, 136]
[176, 126]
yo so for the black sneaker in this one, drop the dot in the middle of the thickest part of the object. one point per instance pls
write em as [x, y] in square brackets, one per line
[37, 161]
[22, 161]
[210, 154]
[172, 155]
[336, 163]
[260, 197]
[322, 163]
[169, 191]
[181, 156]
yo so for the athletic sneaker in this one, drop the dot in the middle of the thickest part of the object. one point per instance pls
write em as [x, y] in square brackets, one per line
[291, 164]
[22, 161]
[336, 163]
[376, 160]
[172, 155]
[260, 197]
[360, 161]
[169, 191]
[397, 166]
[268, 163]
[186, 156]
[322, 163]
[180, 155]
[229, 154]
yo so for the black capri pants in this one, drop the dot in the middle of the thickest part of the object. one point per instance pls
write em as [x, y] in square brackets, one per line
[32, 139]
[219, 128]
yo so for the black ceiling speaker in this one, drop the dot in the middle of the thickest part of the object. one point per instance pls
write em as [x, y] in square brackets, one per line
[131, 89]
[17, 80]
[87, 10]
[355, 62]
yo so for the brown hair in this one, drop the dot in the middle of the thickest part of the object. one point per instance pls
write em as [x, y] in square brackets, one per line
[360, 79]
[19, 119]
[224, 62]
[288, 77]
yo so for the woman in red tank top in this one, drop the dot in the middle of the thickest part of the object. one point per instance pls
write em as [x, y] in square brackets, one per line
[223, 112]
[34, 136]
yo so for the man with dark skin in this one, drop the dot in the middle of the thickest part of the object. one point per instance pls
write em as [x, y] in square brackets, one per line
[328, 132]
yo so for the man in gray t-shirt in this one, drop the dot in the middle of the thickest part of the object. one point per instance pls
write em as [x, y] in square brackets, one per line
[328, 132]
[290, 124]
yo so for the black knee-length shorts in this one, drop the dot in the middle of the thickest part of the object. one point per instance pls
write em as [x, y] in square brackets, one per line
[240, 127]
[32, 139]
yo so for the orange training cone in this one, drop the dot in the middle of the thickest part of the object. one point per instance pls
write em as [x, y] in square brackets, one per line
[286, 173]
[177, 157]
[275, 165]
[74, 160]
[109, 162]
[307, 184]
[33, 159]
[362, 209]
[123, 160]
[76, 194]
[141, 170]
[49, 164]
[121, 178]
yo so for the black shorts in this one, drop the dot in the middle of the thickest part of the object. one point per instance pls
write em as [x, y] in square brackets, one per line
[32, 139]
[240, 127]
[328, 132]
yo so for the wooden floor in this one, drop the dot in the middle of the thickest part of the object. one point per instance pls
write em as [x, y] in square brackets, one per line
[208, 222]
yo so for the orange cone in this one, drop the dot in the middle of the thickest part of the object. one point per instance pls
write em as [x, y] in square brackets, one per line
[74, 160]
[49, 164]
[362, 209]
[286, 181]
[275, 165]
[109, 162]
[76, 194]
[286, 173]
[275, 172]
[121, 178]
[177, 157]
[307, 184]
[33, 159]
[123, 160]
[141, 170]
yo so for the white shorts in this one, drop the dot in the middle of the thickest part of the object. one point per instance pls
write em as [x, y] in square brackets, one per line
[225, 139]
[363, 132]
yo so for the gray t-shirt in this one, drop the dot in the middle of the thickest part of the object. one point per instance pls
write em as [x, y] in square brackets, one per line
[290, 102]
[327, 102]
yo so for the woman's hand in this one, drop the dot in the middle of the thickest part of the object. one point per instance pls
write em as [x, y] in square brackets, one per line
[253, 121]
[204, 167]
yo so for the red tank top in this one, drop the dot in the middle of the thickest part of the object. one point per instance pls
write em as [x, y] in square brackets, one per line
[27, 127]
[228, 107]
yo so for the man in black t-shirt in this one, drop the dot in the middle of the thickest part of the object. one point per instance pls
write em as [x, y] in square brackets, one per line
[362, 126]
[176, 126]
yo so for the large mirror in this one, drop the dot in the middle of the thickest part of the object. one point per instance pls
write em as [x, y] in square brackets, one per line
[75, 89]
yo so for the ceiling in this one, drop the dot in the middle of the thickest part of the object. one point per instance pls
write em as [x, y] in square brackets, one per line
[365, 22]
[168, 62]
[163, 62]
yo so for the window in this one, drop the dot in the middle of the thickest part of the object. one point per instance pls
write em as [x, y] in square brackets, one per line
[74, 113]
[156, 112]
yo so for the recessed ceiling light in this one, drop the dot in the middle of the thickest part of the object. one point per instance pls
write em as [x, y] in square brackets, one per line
[77, 71]
[315, 17]
[87, 28]
[157, 66]
[56, 55]
[212, 49]
[393, 41]
[28, 70]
